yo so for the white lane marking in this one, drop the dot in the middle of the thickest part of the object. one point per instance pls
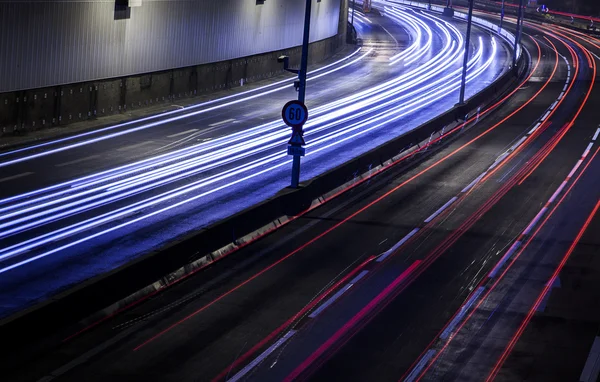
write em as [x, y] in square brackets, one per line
[596, 135]
[514, 147]
[15, 177]
[474, 182]
[565, 88]
[501, 157]
[240, 374]
[562, 94]
[76, 161]
[506, 256]
[182, 133]
[587, 150]
[137, 145]
[534, 128]
[330, 301]
[591, 370]
[557, 192]
[359, 276]
[417, 370]
[598, 58]
[339, 293]
[446, 333]
[442, 208]
[545, 116]
[221, 123]
[579, 162]
[397, 245]
[553, 105]
[535, 220]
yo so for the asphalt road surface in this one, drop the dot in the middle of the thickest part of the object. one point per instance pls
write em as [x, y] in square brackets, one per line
[476, 260]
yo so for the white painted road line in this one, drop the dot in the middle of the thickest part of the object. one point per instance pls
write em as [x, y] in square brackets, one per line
[182, 133]
[553, 105]
[474, 182]
[591, 370]
[417, 370]
[137, 145]
[330, 301]
[534, 128]
[442, 208]
[535, 220]
[587, 150]
[240, 374]
[579, 162]
[596, 135]
[557, 192]
[15, 177]
[458, 318]
[545, 116]
[76, 161]
[359, 276]
[514, 147]
[397, 245]
[221, 123]
[506, 256]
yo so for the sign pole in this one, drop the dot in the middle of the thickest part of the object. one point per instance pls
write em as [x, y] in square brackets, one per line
[301, 92]
[502, 15]
[466, 61]
[518, 35]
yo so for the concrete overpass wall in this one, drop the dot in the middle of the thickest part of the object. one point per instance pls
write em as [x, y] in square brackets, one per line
[55, 42]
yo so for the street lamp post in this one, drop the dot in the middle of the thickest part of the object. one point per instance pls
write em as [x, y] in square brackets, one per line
[301, 92]
[518, 33]
[502, 15]
[466, 60]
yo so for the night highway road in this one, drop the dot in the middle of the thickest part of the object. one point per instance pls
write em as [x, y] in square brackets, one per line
[73, 208]
[473, 261]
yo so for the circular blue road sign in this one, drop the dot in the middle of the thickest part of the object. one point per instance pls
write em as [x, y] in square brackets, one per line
[294, 114]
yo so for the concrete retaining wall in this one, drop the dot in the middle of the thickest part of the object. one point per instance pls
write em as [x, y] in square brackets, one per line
[25, 111]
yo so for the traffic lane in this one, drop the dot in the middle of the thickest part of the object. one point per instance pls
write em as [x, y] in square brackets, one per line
[397, 336]
[375, 360]
[511, 302]
[558, 341]
[153, 141]
[417, 211]
[371, 364]
[309, 132]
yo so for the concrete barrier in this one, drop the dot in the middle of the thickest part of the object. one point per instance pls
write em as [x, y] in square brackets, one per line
[110, 293]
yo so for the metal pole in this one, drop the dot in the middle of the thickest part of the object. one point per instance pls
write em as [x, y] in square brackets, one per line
[466, 61]
[304, 60]
[302, 88]
[353, 10]
[502, 15]
[518, 32]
